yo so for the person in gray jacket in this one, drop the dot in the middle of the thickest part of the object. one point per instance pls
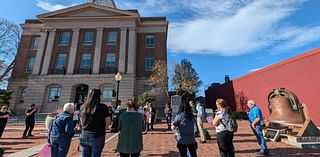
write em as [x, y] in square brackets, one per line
[61, 132]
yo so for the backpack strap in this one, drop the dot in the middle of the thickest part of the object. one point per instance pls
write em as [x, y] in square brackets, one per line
[227, 121]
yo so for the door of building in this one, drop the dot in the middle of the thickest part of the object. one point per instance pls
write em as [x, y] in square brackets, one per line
[81, 93]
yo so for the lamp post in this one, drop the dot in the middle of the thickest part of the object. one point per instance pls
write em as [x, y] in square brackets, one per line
[118, 78]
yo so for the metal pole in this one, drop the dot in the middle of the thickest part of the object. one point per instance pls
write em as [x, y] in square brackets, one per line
[117, 93]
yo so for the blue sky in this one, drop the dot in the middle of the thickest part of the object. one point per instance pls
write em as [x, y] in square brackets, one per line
[219, 37]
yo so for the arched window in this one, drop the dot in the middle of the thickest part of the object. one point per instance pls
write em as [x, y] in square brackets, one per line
[54, 93]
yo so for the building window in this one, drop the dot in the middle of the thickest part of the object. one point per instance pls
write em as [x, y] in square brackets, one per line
[22, 94]
[54, 94]
[112, 38]
[30, 64]
[149, 41]
[88, 38]
[110, 60]
[107, 93]
[61, 61]
[64, 38]
[148, 63]
[35, 43]
[85, 63]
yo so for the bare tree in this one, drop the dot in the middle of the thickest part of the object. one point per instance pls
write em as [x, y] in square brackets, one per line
[159, 76]
[10, 35]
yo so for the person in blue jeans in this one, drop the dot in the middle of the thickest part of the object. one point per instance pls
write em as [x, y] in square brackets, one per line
[95, 119]
[61, 132]
[185, 125]
[257, 124]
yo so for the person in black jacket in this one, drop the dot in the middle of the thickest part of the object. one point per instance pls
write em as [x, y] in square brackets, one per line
[4, 115]
[61, 131]
[29, 120]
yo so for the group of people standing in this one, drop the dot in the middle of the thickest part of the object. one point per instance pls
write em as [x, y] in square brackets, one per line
[95, 120]
[185, 122]
[149, 113]
[5, 114]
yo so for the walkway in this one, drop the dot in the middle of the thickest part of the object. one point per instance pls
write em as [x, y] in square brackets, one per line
[162, 144]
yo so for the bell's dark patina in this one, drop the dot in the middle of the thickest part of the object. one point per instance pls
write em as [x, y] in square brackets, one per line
[284, 107]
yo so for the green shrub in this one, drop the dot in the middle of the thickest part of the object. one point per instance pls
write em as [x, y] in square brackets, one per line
[143, 98]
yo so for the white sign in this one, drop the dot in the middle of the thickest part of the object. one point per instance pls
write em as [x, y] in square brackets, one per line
[176, 101]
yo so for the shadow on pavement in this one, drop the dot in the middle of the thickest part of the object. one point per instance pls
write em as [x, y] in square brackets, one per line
[245, 141]
[14, 143]
[294, 152]
[285, 152]
[243, 135]
[170, 154]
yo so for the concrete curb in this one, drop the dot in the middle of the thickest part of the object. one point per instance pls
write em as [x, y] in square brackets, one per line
[34, 150]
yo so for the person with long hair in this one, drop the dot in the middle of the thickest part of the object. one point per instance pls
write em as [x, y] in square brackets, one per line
[131, 124]
[185, 125]
[95, 119]
[224, 137]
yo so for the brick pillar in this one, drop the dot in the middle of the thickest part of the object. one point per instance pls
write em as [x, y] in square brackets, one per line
[123, 47]
[73, 50]
[40, 51]
[97, 51]
[47, 56]
[132, 51]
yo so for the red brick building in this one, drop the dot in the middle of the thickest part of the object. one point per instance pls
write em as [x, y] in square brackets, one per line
[300, 74]
[67, 52]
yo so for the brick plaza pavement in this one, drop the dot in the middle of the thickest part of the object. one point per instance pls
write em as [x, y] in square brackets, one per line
[162, 144]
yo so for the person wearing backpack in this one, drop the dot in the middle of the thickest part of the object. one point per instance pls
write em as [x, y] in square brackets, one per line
[224, 129]
[257, 124]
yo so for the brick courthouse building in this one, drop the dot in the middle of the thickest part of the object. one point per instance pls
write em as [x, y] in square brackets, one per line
[67, 52]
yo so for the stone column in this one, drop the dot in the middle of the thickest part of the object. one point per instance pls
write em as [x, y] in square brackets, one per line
[132, 51]
[40, 51]
[97, 51]
[73, 50]
[47, 56]
[123, 47]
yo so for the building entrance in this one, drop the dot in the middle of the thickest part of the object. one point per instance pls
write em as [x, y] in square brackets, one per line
[81, 93]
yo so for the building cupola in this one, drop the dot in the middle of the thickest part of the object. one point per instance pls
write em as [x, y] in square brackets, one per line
[107, 3]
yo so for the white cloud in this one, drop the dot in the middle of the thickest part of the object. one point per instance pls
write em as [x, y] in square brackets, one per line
[298, 38]
[247, 31]
[224, 27]
[51, 6]
[229, 27]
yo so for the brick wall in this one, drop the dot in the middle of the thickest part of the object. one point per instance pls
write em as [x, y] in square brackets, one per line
[25, 52]
[159, 52]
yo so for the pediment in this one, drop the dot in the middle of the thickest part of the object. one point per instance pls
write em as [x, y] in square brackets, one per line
[87, 10]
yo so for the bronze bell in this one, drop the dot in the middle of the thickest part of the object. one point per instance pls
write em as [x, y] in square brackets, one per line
[284, 107]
